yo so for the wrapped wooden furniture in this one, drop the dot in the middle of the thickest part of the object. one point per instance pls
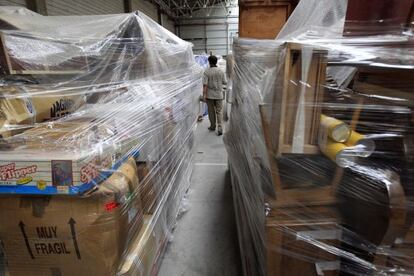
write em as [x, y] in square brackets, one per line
[320, 148]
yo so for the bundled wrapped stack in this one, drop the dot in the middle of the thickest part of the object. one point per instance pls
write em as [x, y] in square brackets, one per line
[321, 147]
[97, 119]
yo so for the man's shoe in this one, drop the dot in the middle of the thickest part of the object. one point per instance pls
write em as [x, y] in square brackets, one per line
[212, 128]
[220, 132]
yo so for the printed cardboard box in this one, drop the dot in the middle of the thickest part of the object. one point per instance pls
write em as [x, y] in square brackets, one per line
[72, 158]
[60, 235]
[16, 109]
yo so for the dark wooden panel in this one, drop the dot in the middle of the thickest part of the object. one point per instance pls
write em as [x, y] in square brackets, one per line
[377, 16]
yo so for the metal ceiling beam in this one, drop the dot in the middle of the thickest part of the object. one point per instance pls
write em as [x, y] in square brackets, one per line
[165, 8]
[177, 9]
[209, 17]
[214, 7]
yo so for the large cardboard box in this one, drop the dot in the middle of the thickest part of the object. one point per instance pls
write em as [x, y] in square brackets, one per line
[60, 235]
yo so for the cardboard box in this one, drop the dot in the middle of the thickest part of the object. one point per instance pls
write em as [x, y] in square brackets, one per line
[71, 158]
[16, 109]
[60, 235]
[142, 253]
[37, 105]
[148, 187]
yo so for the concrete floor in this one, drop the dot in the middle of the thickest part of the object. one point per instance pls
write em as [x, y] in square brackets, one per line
[205, 239]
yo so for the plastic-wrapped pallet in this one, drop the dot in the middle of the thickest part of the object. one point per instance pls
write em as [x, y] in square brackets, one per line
[320, 143]
[97, 120]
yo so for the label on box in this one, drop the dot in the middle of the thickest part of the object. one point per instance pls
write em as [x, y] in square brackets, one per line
[49, 240]
[57, 176]
[62, 189]
[45, 177]
[21, 175]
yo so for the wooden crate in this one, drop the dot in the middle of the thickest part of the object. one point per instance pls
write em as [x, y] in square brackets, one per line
[287, 101]
[286, 253]
[257, 21]
[296, 90]
[263, 19]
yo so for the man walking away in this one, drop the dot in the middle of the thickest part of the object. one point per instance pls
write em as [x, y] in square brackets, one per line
[213, 81]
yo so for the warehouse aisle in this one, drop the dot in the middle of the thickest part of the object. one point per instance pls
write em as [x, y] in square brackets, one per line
[205, 240]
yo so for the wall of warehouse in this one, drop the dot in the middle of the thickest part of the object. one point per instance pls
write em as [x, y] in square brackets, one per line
[211, 31]
[13, 3]
[82, 7]
[168, 23]
[146, 7]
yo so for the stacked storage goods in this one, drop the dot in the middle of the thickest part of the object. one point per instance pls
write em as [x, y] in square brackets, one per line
[96, 148]
[321, 147]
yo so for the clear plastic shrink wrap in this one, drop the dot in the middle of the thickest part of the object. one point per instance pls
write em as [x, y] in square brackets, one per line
[97, 115]
[321, 145]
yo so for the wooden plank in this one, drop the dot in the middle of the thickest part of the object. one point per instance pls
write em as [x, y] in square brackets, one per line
[307, 149]
[319, 97]
[282, 107]
[268, 140]
[308, 196]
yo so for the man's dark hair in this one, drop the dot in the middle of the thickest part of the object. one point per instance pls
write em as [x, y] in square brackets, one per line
[212, 60]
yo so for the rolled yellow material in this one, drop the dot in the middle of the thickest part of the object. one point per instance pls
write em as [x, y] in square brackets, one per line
[362, 146]
[336, 152]
[354, 138]
[335, 129]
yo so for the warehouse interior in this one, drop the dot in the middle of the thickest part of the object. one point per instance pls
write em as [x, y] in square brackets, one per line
[206, 137]
[209, 25]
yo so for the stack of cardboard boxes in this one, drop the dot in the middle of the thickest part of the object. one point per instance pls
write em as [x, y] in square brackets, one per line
[93, 163]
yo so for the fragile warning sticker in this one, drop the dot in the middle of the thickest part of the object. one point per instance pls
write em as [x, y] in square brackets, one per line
[47, 241]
